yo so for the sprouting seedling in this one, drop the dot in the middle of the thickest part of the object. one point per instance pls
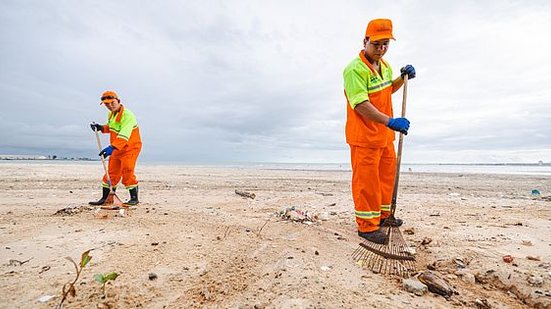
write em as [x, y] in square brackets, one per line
[69, 287]
[104, 278]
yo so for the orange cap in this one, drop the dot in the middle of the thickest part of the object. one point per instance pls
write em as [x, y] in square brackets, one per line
[109, 96]
[379, 29]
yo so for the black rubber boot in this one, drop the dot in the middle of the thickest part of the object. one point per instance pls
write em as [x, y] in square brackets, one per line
[377, 236]
[105, 194]
[391, 222]
[133, 197]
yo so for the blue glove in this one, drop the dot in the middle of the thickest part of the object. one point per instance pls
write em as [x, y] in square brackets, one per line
[399, 124]
[409, 70]
[107, 151]
[96, 127]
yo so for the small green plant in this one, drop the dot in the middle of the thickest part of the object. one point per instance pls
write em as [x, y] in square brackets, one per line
[104, 278]
[69, 287]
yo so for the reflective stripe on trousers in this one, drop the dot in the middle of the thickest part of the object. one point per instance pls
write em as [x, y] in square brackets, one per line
[373, 172]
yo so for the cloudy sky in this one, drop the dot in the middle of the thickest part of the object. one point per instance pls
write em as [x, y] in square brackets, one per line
[261, 81]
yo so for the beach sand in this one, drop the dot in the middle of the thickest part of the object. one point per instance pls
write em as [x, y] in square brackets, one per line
[209, 247]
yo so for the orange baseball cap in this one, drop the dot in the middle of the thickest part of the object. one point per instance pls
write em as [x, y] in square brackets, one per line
[379, 29]
[109, 96]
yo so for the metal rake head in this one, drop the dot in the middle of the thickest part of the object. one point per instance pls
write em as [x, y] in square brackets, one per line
[391, 258]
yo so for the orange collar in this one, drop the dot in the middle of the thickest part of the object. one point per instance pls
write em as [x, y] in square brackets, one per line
[117, 114]
[364, 60]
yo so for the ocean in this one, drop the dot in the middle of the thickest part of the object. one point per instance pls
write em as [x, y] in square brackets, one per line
[504, 168]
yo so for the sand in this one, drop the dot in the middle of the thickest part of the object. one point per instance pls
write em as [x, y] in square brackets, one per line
[193, 242]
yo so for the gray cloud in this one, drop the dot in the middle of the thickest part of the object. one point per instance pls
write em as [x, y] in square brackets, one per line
[216, 81]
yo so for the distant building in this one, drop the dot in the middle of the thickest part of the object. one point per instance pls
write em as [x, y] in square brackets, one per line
[23, 157]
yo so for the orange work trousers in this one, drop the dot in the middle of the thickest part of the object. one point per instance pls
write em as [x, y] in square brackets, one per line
[373, 174]
[121, 165]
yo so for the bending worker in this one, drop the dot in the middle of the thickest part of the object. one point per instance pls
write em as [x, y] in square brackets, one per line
[124, 148]
[370, 129]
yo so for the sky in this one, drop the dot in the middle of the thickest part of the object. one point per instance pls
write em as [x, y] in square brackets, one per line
[261, 81]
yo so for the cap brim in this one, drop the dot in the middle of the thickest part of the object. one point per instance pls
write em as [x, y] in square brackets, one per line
[381, 37]
[106, 101]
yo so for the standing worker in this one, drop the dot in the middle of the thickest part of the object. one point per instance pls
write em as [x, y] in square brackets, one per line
[124, 148]
[370, 127]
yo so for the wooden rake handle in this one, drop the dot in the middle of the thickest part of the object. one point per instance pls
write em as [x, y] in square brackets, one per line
[103, 161]
[399, 154]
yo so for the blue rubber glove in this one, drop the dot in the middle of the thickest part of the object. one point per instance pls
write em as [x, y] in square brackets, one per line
[399, 124]
[409, 70]
[107, 151]
[96, 126]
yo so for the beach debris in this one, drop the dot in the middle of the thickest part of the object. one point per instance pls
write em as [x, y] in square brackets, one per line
[71, 210]
[535, 280]
[415, 286]
[482, 303]
[459, 263]
[325, 194]
[45, 298]
[508, 258]
[324, 216]
[44, 269]
[245, 194]
[326, 268]
[18, 262]
[435, 283]
[533, 258]
[426, 241]
[409, 231]
[527, 243]
[152, 276]
[466, 276]
[536, 192]
[297, 215]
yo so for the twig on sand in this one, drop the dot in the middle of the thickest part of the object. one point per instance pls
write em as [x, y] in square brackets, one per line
[245, 194]
[263, 225]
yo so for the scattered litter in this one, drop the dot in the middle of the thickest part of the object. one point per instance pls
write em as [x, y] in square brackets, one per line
[44, 269]
[326, 268]
[245, 194]
[536, 192]
[426, 241]
[508, 258]
[325, 194]
[324, 216]
[527, 243]
[535, 280]
[454, 194]
[72, 210]
[482, 303]
[17, 262]
[297, 215]
[45, 298]
[459, 263]
[533, 258]
[152, 276]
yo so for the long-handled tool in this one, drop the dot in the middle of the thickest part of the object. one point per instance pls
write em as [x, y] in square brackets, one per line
[112, 201]
[393, 257]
